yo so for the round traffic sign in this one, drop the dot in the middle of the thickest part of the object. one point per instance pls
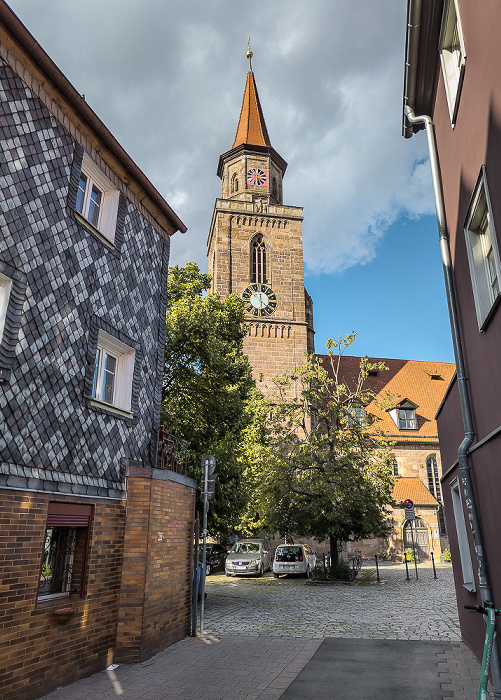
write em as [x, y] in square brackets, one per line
[408, 503]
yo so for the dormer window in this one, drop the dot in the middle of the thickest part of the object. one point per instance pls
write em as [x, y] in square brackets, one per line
[357, 416]
[404, 415]
[407, 419]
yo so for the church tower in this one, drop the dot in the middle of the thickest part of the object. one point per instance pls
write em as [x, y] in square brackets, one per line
[255, 246]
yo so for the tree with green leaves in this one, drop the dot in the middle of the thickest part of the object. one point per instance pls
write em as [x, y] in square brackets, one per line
[207, 385]
[328, 472]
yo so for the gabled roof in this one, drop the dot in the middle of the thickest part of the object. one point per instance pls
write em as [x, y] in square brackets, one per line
[251, 129]
[413, 488]
[404, 379]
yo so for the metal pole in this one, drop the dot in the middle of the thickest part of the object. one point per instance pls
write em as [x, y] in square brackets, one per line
[377, 570]
[433, 562]
[414, 548]
[204, 550]
[194, 596]
[407, 577]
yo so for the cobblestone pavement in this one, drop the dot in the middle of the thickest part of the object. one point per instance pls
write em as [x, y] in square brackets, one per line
[394, 609]
[262, 638]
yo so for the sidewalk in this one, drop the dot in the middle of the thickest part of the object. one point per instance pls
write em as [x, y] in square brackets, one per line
[268, 639]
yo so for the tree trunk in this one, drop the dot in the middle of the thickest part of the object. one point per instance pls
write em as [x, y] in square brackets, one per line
[334, 552]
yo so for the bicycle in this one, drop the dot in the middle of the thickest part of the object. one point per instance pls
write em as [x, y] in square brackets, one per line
[490, 612]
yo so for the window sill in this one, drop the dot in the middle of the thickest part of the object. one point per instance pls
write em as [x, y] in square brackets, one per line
[82, 220]
[96, 403]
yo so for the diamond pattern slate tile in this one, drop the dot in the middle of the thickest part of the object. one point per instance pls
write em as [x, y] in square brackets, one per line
[49, 430]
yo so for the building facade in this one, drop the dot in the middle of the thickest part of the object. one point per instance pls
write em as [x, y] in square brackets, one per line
[96, 541]
[452, 89]
[255, 247]
[416, 390]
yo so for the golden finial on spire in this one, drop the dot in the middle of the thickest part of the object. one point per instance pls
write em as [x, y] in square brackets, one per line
[249, 54]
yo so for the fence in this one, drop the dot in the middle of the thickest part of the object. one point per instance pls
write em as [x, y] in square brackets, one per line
[172, 453]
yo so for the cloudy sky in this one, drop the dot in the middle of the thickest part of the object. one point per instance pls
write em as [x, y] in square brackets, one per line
[167, 78]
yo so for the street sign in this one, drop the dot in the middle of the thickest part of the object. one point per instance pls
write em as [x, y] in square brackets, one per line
[209, 462]
[409, 503]
[410, 513]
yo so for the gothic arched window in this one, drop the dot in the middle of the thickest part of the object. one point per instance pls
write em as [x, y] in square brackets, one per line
[258, 259]
[234, 183]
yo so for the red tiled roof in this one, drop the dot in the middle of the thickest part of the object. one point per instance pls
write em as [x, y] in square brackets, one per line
[413, 488]
[404, 379]
[251, 128]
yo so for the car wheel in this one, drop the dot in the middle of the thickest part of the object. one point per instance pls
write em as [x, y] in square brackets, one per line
[260, 570]
[207, 569]
[307, 573]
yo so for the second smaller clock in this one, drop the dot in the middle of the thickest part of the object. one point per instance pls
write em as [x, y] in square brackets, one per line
[260, 299]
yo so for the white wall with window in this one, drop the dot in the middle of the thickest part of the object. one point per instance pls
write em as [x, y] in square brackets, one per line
[483, 252]
[97, 199]
[113, 372]
[5, 289]
[452, 55]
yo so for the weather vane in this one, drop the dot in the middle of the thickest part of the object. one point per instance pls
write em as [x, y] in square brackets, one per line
[249, 54]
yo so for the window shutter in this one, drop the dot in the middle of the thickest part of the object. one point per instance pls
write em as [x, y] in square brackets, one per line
[68, 515]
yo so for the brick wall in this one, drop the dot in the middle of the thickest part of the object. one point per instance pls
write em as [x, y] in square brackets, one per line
[37, 653]
[155, 600]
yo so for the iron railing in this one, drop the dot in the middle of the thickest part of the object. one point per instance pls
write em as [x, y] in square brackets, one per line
[172, 453]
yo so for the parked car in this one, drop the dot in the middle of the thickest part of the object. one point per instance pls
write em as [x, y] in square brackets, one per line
[249, 557]
[215, 557]
[294, 559]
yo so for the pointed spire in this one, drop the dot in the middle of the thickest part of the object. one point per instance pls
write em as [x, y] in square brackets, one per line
[251, 128]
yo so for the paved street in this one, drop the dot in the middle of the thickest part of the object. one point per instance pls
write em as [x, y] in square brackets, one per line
[267, 639]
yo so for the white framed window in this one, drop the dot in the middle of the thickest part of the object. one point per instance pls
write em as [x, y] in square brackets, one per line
[113, 372]
[97, 199]
[404, 415]
[357, 416]
[5, 289]
[483, 252]
[452, 55]
[462, 535]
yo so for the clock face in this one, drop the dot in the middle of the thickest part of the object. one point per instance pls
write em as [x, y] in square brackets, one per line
[260, 300]
[257, 176]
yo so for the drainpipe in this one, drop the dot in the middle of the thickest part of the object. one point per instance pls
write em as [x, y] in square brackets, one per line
[469, 432]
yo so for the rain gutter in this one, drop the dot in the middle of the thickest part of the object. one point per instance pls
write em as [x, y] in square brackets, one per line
[413, 28]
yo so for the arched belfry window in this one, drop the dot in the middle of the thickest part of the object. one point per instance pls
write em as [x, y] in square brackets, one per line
[258, 262]
[234, 183]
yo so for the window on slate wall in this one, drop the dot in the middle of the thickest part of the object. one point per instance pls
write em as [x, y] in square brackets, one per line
[64, 555]
[97, 199]
[258, 253]
[113, 372]
[483, 252]
[5, 289]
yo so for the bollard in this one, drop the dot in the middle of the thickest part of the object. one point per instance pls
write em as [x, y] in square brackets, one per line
[407, 577]
[433, 562]
[323, 557]
[377, 570]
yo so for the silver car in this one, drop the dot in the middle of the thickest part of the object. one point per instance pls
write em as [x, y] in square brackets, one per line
[249, 557]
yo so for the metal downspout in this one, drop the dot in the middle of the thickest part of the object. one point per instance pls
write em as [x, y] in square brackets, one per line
[469, 432]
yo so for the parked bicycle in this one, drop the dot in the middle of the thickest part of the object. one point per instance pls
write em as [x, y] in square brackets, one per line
[490, 613]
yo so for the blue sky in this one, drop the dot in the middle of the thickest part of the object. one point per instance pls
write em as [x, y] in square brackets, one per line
[396, 303]
[167, 78]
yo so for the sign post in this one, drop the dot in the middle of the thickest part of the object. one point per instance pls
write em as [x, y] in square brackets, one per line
[209, 490]
[410, 515]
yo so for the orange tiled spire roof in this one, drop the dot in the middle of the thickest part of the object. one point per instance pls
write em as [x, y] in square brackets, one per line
[251, 128]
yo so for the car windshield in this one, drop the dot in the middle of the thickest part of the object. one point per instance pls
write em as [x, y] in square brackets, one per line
[289, 550]
[245, 547]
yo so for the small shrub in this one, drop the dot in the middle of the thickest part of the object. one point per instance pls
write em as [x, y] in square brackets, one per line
[447, 555]
[410, 555]
[336, 572]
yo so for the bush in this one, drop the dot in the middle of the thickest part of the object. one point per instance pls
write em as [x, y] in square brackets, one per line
[447, 555]
[410, 555]
[337, 572]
